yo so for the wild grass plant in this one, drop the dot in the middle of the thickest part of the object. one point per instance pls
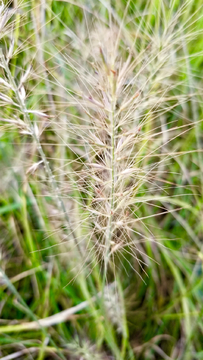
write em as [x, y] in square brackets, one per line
[101, 186]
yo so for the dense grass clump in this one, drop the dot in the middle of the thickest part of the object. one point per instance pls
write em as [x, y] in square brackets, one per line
[101, 180]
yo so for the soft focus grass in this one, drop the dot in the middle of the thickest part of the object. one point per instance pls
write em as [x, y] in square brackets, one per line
[161, 314]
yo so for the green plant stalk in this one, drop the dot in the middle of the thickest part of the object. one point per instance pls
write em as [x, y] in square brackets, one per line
[125, 334]
[27, 230]
[45, 306]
